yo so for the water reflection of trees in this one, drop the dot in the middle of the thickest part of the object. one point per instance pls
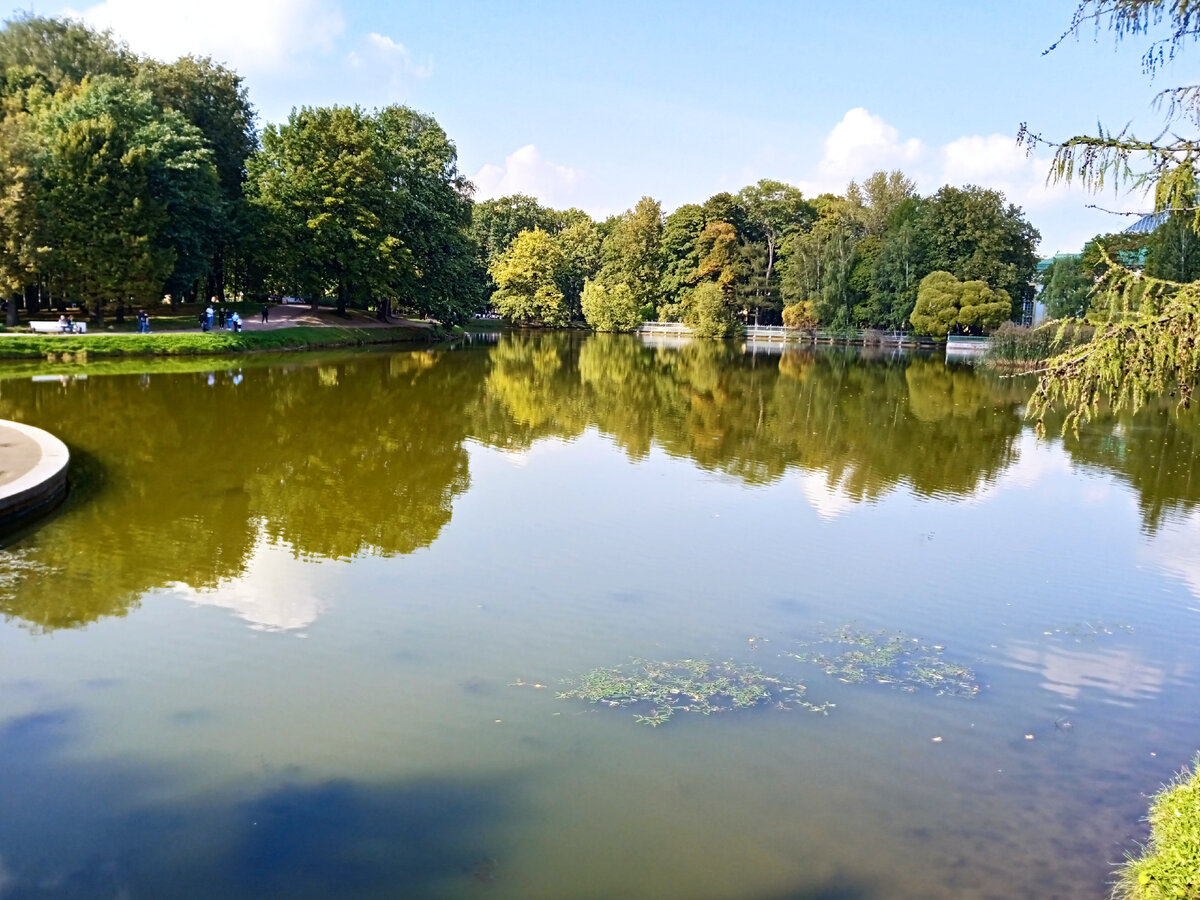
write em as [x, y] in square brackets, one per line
[175, 479]
[178, 478]
[1156, 451]
[869, 427]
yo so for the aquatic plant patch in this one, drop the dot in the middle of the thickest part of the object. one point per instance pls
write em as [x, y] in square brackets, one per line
[655, 691]
[891, 658]
[1088, 631]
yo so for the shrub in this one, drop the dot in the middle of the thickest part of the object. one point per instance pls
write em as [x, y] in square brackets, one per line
[801, 315]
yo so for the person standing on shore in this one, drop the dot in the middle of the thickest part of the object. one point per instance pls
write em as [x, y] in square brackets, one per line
[266, 312]
[209, 314]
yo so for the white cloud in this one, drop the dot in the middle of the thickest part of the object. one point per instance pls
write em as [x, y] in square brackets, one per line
[394, 56]
[526, 172]
[1068, 672]
[828, 499]
[249, 36]
[1176, 550]
[865, 142]
[274, 594]
[862, 143]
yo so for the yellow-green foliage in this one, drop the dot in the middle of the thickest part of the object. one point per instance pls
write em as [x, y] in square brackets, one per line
[801, 314]
[610, 308]
[944, 303]
[707, 312]
[1169, 866]
[1149, 353]
[937, 304]
[526, 277]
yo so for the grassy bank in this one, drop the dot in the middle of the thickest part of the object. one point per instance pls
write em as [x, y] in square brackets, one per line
[1018, 348]
[54, 347]
[1170, 863]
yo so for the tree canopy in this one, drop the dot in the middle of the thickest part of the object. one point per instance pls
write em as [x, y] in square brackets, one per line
[124, 179]
[1148, 347]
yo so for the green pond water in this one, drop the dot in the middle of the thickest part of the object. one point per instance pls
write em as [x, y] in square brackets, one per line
[286, 636]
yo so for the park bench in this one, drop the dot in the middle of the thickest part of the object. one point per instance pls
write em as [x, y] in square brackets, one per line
[55, 328]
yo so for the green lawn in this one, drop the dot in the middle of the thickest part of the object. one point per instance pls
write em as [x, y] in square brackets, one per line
[1169, 866]
[23, 346]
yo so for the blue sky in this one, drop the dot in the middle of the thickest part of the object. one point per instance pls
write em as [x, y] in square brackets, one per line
[595, 105]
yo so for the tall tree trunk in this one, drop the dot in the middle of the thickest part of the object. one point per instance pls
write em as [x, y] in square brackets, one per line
[341, 308]
[383, 311]
[11, 317]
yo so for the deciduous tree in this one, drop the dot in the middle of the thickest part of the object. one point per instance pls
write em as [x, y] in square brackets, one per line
[526, 275]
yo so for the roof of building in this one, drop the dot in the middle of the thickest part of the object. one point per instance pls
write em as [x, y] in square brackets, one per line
[1147, 223]
[1044, 264]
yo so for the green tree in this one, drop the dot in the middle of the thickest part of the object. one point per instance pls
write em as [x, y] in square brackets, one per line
[899, 266]
[632, 252]
[981, 309]
[775, 210]
[496, 223]
[972, 233]
[62, 52]
[1173, 249]
[321, 180]
[881, 196]
[822, 260]
[213, 99]
[945, 304]
[120, 180]
[581, 243]
[610, 308]
[526, 275]
[719, 260]
[429, 209]
[936, 312]
[1066, 288]
[707, 311]
[18, 209]
[681, 256]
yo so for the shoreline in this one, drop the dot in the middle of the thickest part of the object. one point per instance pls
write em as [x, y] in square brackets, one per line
[80, 347]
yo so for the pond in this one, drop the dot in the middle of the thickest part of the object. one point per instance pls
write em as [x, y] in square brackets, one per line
[302, 626]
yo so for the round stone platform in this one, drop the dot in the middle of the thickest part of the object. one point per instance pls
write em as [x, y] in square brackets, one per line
[33, 472]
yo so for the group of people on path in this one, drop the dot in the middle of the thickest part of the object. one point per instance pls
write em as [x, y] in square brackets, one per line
[222, 317]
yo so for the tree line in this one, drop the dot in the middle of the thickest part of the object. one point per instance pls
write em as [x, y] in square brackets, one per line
[124, 180]
[765, 255]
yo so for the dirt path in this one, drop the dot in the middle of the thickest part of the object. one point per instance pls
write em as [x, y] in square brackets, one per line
[292, 314]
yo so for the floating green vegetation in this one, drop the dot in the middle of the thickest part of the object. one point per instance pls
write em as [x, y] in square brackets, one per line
[891, 658]
[1086, 631]
[1170, 863]
[657, 690]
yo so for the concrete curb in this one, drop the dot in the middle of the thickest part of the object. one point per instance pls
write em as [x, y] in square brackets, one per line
[40, 486]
